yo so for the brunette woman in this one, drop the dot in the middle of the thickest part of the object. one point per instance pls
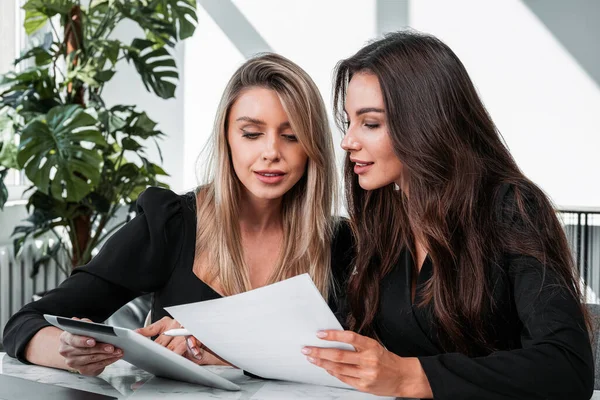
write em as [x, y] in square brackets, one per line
[464, 286]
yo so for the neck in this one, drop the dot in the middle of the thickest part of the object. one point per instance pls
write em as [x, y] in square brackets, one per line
[259, 215]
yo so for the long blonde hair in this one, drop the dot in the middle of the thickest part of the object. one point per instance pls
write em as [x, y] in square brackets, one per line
[306, 207]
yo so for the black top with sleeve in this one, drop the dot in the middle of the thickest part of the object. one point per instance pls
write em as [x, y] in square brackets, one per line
[154, 252]
[544, 348]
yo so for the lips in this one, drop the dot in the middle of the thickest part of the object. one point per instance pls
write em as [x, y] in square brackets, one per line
[361, 166]
[360, 163]
[270, 176]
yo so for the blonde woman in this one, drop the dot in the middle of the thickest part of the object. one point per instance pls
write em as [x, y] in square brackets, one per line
[264, 215]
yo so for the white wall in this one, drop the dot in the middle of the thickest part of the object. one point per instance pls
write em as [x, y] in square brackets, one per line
[314, 34]
[545, 104]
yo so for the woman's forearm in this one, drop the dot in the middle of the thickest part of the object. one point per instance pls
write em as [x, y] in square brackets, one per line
[42, 349]
[415, 383]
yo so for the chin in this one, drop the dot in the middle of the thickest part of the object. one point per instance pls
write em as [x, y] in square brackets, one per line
[268, 193]
[368, 184]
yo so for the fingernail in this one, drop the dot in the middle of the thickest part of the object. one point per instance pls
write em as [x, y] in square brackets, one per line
[321, 334]
[118, 351]
[90, 342]
[195, 351]
[108, 349]
[305, 350]
[310, 359]
[189, 343]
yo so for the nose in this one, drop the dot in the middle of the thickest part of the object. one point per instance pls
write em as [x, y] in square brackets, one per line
[271, 152]
[349, 142]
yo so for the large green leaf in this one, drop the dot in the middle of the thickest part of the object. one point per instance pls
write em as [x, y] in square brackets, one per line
[156, 67]
[62, 145]
[34, 20]
[50, 7]
[31, 93]
[104, 50]
[100, 18]
[182, 13]
[37, 12]
[36, 78]
[90, 74]
[44, 53]
[157, 27]
[164, 21]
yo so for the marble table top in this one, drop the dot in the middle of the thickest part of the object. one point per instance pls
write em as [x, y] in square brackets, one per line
[124, 381]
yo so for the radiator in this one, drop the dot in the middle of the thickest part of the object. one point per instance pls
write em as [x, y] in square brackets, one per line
[16, 287]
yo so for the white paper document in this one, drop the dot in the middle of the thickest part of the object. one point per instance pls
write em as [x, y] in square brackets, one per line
[263, 331]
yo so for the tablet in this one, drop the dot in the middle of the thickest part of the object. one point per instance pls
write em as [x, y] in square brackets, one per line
[144, 353]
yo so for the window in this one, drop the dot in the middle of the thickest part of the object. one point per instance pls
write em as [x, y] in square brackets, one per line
[13, 42]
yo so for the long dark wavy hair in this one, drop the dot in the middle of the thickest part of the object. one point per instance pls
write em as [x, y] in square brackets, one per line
[455, 163]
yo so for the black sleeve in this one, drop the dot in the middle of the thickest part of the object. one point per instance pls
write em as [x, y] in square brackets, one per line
[137, 259]
[342, 263]
[555, 361]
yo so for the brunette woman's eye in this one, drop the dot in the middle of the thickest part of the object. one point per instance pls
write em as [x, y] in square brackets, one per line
[250, 135]
[372, 126]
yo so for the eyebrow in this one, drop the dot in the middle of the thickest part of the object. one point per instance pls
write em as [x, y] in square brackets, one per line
[255, 121]
[370, 109]
[367, 110]
[251, 120]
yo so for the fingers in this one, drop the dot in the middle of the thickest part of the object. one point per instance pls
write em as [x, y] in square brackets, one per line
[194, 347]
[89, 360]
[335, 355]
[95, 369]
[85, 354]
[199, 354]
[178, 345]
[338, 368]
[165, 341]
[204, 358]
[358, 341]
[189, 347]
[102, 348]
[156, 328]
[76, 340]
[74, 345]
[194, 350]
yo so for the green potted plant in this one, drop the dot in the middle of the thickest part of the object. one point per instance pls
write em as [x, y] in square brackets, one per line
[85, 161]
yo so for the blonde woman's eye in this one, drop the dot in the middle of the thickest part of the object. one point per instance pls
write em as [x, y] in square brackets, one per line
[250, 135]
[291, 138]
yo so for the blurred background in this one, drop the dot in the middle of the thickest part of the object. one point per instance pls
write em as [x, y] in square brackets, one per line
[535, 63]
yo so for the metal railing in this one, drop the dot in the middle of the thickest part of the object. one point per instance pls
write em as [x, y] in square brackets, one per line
[582, 228]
